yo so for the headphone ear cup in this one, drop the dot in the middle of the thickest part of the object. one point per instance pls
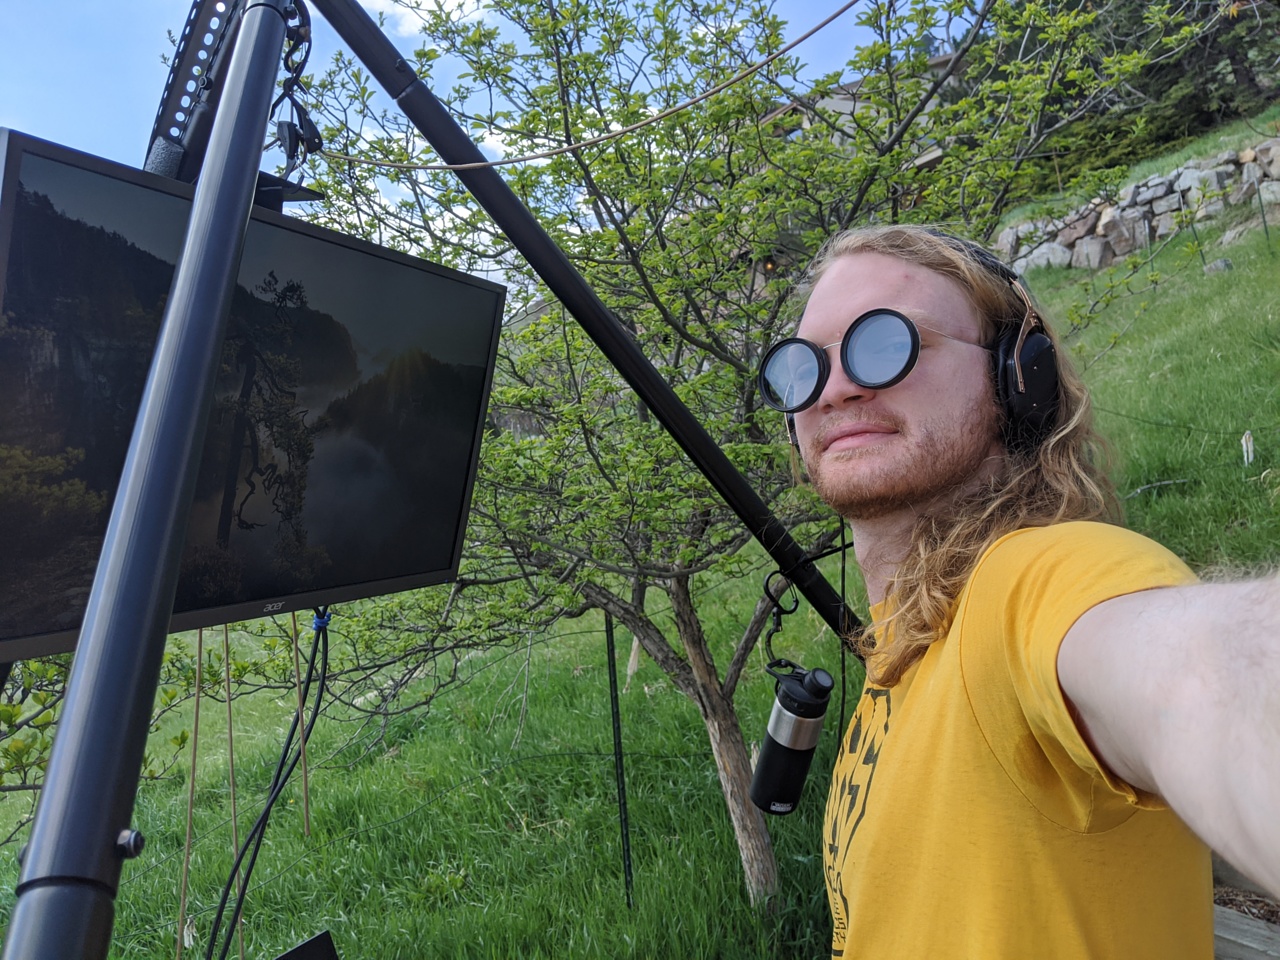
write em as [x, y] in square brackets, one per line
[1029, 414]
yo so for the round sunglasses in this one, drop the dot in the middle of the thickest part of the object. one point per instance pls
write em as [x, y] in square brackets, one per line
[878, 350]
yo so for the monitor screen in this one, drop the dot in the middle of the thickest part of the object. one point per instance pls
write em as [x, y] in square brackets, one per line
[345, 430]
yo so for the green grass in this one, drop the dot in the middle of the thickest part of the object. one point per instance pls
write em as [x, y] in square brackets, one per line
[1235, 135]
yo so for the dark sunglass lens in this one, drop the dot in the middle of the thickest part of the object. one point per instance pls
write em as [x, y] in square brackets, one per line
[789, 376]
[879, 350]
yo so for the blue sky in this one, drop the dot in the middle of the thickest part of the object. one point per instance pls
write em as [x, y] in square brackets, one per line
[87, 73]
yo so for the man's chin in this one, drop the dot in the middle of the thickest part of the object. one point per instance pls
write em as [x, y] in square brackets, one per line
[865, 505]
[865, 498]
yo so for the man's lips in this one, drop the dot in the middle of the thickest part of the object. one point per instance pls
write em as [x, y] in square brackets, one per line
[851, 436]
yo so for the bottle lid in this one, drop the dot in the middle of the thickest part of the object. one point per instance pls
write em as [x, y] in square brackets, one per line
[804, 692]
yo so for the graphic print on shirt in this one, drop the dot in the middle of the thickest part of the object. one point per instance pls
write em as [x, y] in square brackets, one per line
[847, 804]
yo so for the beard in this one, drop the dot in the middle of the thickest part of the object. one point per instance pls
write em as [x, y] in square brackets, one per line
[933, 460]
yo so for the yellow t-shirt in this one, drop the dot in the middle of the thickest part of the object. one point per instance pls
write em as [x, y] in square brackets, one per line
[968, 818]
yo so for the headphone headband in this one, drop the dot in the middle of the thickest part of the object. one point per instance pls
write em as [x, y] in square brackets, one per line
[1026, 366]
[976, 251]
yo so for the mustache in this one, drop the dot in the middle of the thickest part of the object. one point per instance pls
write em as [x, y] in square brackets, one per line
[837, 423]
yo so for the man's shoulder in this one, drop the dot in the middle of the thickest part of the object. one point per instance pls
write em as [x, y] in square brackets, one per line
[1081, 551]
[1075, 535]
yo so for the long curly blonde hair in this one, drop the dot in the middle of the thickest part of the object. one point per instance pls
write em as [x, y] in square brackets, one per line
[1062, 478]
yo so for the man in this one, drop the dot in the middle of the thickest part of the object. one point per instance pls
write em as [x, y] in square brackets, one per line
[1051, 703]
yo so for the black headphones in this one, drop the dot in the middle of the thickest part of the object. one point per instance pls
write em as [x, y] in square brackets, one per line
[1024, 364]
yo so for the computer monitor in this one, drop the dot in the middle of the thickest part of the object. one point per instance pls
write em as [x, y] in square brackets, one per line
[345, 431]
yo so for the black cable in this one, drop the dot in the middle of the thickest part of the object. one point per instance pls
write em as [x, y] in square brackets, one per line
[283, 772]
[1180, 426]
[289, 759]
[844, 643]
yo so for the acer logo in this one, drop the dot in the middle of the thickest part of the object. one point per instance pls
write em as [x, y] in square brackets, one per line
[272, 607]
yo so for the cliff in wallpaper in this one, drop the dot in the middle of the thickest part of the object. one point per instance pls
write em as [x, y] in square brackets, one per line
[314, 472]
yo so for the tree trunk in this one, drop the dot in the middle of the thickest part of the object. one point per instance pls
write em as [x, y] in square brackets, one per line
[696, 678]
[239, 430]
[733, 764]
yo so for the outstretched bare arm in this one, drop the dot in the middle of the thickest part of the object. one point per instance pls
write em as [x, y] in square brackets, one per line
[1178, 692]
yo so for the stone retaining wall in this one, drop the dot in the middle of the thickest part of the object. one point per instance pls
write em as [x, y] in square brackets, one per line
[1104, 230]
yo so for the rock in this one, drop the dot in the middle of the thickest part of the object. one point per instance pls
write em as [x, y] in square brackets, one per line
[1204, 202]
[1105, 216]
[1092, 253]
[1157, 190]
[1007, 242]
[1078, 224]
[1021, 237]
[1128, 231]
[1216, 178]
[1243, 192]
[1220, 265]
[1264, 151]
[1047, 254]
[1153, 208]
[1188, 178]
[1224, 158]
[1138, 223]
[1210, 208]
[1237, 232]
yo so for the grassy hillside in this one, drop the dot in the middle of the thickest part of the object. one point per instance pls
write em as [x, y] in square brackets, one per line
[1179, 372]
[1235, 135]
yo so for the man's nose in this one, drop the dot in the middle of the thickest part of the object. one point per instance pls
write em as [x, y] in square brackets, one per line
[839, 389]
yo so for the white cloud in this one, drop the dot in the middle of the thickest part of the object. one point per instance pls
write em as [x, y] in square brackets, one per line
[401, 20]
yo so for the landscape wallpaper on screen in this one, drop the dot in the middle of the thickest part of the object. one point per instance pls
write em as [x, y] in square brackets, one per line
[343, 427]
